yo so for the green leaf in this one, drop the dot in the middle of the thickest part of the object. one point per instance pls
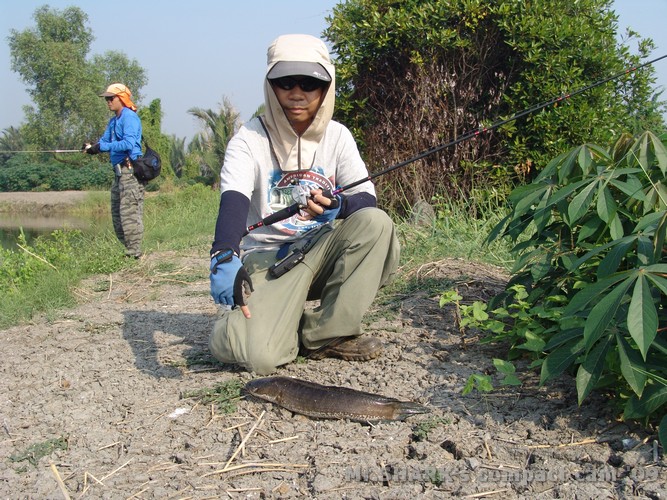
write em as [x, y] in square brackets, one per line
[585, 159]
[562, 337]
[606, 206]
[479, 311]
[503, 366]
[603, 313]
[497, 230]
[639, 407]
[511, 379]
[660, 344]
[613, 259]
[480, 382]
[448, 297]
[542, 215]
[581, 202]
[662, 432]
[523, 197]
[592, 291]
[533, 343]
[616, 227]
[589, 228]
[656, 268]
[658, 281]
[551, 168]
[560, 360]
[650, 220]
[642, 316]
[528, 259]
[644, 250]
[660, 236]
[590, 370]
[632, 365]
[660, 153]
[564, 192]
[541, 266]
[633, 187]
[599, 249]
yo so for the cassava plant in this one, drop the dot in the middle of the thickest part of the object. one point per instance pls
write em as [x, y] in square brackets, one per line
[589, 235]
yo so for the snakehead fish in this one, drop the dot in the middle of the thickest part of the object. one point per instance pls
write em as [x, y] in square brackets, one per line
[328, 401]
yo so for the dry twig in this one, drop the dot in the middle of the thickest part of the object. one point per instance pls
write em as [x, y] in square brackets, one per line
[487, 493]
[61, 484]
[565, 445]
[245, 439]
[36, 256]
[113, 472]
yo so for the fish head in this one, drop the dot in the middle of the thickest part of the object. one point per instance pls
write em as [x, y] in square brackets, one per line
[269, 388]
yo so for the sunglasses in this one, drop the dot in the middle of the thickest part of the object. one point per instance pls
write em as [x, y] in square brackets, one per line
[110, 98]
[306, 83]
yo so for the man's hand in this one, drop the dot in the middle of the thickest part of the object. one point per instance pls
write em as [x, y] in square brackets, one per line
[322, 206]
[91, 149]
[230, 282]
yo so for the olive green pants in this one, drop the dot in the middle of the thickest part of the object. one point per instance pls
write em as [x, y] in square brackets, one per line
[344, 270]
[127, 211]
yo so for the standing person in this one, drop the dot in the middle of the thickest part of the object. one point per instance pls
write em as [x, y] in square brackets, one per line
[349, 247]
[122, 140]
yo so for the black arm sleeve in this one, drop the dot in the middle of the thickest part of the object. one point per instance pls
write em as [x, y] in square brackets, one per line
[354, 202]
[230, 226]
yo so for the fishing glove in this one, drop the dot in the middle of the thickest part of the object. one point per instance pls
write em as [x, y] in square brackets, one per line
[332, 210]
[91, 150]
[230, 282]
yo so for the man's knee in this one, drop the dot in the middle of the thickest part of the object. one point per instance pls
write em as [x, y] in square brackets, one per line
[373, 223]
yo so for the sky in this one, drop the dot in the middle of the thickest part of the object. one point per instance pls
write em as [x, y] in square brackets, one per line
[198, 52]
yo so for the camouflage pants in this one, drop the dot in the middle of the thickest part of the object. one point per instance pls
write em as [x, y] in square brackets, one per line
[127, 211]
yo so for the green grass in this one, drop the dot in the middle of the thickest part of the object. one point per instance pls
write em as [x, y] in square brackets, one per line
[36, 451]
[459, 230]
[223, 395]
[42, 278]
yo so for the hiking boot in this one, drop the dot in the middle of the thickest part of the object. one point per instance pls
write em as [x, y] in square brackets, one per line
[359, 348]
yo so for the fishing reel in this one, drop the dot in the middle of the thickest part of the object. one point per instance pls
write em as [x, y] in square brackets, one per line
[300, 195]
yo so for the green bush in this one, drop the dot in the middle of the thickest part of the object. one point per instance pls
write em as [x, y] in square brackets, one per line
[30, 175]
[588, 293]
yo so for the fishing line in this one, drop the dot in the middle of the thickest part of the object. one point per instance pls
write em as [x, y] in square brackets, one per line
[44, 151]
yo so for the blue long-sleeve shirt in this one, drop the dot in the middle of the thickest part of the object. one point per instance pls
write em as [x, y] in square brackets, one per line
[122, 137]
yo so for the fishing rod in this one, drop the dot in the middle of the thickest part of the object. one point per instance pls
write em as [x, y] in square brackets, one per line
[300, 194]
[45, 151]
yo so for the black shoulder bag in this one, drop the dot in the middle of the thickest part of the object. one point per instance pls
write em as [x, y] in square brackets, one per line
[148, 166]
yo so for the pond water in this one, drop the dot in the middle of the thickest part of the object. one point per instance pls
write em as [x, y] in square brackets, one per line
[35, 225]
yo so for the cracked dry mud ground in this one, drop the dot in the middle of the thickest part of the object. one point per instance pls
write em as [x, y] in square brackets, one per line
[101, 384]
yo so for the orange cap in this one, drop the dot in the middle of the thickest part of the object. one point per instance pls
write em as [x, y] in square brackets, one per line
[123, 93]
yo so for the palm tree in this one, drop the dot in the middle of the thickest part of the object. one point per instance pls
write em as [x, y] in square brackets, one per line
[177, 155]
[211, 142]
[11, 140]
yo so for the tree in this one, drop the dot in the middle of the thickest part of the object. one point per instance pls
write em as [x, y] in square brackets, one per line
[11, 140]
[416, 74]
[51, 60]
[151, 125]
[211, 143]
[177, 155]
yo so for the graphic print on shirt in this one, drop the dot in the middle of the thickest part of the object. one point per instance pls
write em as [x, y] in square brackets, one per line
[281, 194]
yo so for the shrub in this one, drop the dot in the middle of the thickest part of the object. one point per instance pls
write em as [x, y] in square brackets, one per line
[591, 272]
